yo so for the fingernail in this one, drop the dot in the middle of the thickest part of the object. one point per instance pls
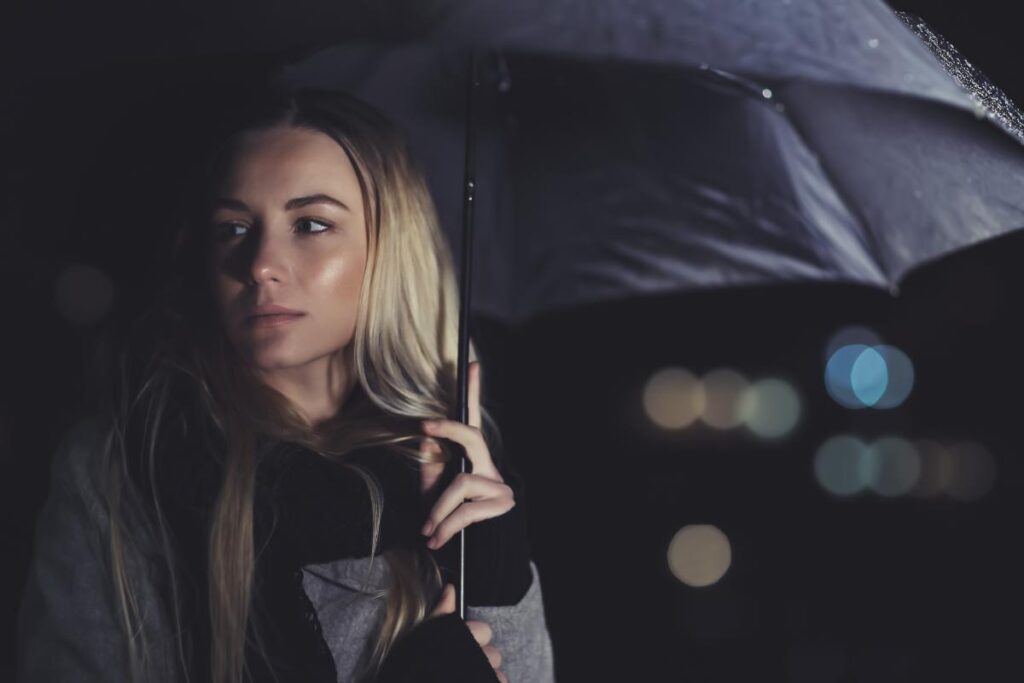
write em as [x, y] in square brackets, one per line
[427, 528]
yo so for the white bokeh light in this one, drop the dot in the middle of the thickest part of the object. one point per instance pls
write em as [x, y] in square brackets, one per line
[723, 390]
[673, 398]
[770, 408]
[699, 554]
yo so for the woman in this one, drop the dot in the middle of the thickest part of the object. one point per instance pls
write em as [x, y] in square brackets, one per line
[271, 494]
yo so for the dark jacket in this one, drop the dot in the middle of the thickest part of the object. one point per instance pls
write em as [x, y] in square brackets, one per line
[67, 629]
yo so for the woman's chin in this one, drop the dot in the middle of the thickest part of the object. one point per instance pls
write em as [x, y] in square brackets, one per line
[270, 360]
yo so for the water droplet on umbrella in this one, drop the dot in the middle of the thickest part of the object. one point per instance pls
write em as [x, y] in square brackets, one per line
[873, 43]
[1000, 108]
[767, 93]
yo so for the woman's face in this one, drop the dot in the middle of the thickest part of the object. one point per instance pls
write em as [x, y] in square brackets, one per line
[288, 229]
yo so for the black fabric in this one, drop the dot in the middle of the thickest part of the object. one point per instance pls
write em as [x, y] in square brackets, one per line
[438, 649]
[497, 549]
[310, 510]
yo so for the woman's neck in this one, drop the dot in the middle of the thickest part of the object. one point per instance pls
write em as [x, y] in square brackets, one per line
[318, 389]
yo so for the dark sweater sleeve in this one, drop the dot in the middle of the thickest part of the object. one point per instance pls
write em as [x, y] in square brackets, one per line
[497, 560]
[439, 650]
[497, 549]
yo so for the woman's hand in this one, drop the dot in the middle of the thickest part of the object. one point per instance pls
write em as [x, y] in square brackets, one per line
[471, 497]
[482, 633]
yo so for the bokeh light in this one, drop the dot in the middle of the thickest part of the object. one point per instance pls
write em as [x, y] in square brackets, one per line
[673, 398]
[859, 376]
[723, 390]
[869, 376]
[838, 465]
[699, 554]
[770, 408]
[82, 294]
[838, 374]
[974, 472]
[851, 336]
[891, 466]
[900, 372]
[937, 469]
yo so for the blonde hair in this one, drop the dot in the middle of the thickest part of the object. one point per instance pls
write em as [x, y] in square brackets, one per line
[404, 354]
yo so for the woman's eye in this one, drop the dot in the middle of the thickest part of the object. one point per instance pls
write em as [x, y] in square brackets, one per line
[325, 228]
[225, 230]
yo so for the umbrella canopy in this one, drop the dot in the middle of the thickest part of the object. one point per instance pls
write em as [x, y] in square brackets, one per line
[821, 142]
[651, 146]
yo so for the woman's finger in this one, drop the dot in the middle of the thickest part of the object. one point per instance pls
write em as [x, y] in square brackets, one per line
[481, 631]
[483, 634]
[473, 387]
[471, 439]
[466, 514]
[465, 486]
[493, 656]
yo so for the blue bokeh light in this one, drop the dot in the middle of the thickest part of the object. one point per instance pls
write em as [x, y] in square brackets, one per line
[869, 376]
[838, 373]
[901, 376]
[861, 376]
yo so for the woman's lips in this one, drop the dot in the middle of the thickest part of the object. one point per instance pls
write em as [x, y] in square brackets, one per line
[273, 320]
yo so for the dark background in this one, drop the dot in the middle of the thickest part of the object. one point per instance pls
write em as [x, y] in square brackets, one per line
[820, 589]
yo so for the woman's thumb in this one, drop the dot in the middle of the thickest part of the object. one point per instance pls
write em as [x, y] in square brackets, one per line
[446, 605]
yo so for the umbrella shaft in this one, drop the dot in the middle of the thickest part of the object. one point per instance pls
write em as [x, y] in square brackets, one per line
[469, 196]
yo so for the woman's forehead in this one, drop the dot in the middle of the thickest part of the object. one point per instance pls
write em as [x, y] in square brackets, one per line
[284, 161]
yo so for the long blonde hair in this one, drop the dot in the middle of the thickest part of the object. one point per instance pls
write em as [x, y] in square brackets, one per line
[404, 354]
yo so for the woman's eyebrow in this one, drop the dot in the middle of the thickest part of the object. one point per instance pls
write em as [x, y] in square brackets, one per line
[313, 199]
[294, 203]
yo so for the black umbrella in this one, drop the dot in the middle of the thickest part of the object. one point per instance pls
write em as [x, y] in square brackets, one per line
[645, 147]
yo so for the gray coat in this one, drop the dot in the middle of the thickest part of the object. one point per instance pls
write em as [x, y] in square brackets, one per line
[67, 628]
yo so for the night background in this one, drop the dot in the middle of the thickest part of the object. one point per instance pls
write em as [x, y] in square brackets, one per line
[809, 575]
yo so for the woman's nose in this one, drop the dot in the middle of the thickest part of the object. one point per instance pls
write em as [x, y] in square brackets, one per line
[269, 260]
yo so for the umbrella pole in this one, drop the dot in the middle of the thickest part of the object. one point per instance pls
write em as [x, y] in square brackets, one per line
[468, 197]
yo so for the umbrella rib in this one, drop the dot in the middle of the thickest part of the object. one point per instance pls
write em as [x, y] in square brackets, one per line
[869, 236]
